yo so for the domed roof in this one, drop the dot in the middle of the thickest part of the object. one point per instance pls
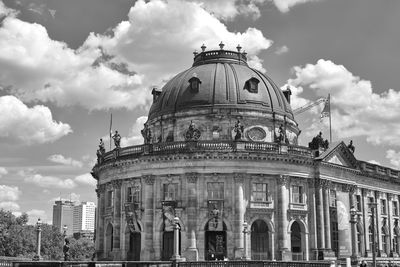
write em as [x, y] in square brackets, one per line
[220, 79]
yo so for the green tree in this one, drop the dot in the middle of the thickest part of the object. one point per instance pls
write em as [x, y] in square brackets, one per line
[81, 249]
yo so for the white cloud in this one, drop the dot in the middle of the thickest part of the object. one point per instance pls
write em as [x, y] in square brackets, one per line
[9, 205]
[113, 72]
[285, 5]
[46, 181]
[5, 11]
[57, 158]
[3, 171]
[159, 38]
[8, 197]
[29, 125]
[34, 215]
[394, 157]
[356, 109]
[281, 50]
[86, 179]
[9, 193]
[135, 136]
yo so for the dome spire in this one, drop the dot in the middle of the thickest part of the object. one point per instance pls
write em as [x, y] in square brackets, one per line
[203, 48]
[238, 47]
[221, 45]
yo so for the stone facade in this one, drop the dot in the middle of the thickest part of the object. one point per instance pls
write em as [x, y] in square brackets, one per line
[194, 167]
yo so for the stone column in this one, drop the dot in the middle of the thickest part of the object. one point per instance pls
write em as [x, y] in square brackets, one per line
[283, 200]
[313, 220]
[390, 222]
[239, 216]
[327, 221]
[378, 228]
[246, 232]
[320, 214]
[192, 253]
[148, 218]
[117, 218]
[99, 242]
[365, 218]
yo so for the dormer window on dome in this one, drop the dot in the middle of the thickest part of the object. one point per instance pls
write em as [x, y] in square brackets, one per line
[194, 83]
[156, 93]
[251, 85]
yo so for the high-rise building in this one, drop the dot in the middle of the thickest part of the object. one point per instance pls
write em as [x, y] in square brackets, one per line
[83, 217]
[63, 215]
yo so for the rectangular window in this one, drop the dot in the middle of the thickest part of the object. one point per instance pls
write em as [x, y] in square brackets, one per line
[132, 195]
[110, 198]
[358, 203]
[171, 192]
[297, 194]
[383, 206]
[370, 200]
[260, 192]
[332, 198]
[215, 191]
[395, 208]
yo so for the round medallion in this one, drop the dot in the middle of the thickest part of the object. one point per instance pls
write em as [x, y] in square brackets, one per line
[256, 134]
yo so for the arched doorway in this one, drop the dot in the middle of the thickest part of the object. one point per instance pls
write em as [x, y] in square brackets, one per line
[215, 240]
[109, 238]
[133, 242]
[295, 240]
[168, 244]
[259, 240]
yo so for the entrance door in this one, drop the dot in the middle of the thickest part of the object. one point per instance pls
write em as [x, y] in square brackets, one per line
[134, 246]
[295, 238]
[259, 240]
[215, 245]
[168, 245]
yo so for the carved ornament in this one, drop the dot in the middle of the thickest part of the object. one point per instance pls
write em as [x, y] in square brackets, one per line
[297, 215]
[191, 178]
[149, 179]
[238, 177]
[283, 180]
[116, 184]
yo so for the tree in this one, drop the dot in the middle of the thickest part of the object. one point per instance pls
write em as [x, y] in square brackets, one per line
[81, 249]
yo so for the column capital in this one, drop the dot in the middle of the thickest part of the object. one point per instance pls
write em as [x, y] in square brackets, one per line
[116, 184]
[283, 180]
[149, 179]
[191, 177]
[238, 177]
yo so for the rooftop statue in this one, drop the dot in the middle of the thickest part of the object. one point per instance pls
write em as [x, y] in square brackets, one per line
[192, 132]
[351, 146]
[318, 142]
[101, 151]
[146, 133]
[117, 139]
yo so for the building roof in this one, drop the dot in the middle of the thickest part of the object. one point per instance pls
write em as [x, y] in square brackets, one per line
[225, 81]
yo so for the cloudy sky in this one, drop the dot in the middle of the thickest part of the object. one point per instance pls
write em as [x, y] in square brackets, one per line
[65, 66]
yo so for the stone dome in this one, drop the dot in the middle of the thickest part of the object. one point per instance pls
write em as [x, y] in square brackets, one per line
[220, 79]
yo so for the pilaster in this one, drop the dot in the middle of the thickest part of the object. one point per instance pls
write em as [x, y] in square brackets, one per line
[283, 200]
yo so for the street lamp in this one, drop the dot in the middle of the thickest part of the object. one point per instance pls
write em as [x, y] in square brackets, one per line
[353, 221]
[65, 228]
[245, 232]
[372, 206]
[37, 257]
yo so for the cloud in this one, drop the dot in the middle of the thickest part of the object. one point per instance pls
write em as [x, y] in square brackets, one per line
[86, 179]
[159, 33]
[9, 193]
[135, 136]
[394, 157]
[356, 109]
[46, 181]
[34, 215]
[285, 5]
[3, 171]
[57, 158]
[29, 125]
[8, 197]
[114, 71]
[281, 50]
[5, 11]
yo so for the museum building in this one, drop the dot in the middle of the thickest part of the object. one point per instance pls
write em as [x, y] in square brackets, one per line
[221, 165]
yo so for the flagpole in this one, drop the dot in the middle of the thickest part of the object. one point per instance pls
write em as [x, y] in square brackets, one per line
[110, 130]
[330, 119]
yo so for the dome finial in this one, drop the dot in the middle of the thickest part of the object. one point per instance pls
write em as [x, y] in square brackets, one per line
[238, 48]
[203, 48]
[244, 53]
[221, 45]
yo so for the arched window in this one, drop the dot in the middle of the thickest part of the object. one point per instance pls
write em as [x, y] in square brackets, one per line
[259, 240]
[385, 236]
[359, 238]
[251, 85]
[370, 237]
[109, 238]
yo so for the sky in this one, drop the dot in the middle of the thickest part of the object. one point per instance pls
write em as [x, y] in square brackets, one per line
[65, 66]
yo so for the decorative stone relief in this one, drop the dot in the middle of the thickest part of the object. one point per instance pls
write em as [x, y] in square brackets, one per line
[191, 178]
[283, 180]
[149, 179]
[238, 177]
[297, 215]
[116, 184]
[349, 188]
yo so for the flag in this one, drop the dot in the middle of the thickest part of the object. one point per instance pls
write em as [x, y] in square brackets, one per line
[327, 108]
[110, 129]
